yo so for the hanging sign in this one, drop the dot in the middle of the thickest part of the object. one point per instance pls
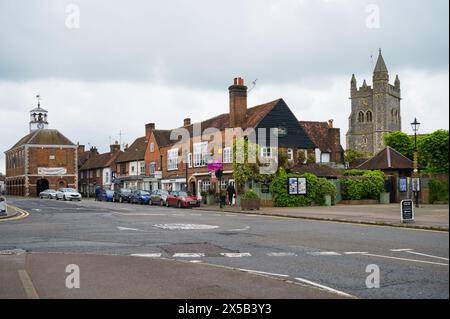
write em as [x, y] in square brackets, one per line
[52, 171]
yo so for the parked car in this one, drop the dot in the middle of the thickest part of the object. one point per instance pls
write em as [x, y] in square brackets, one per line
[68, 194]
[122, 195]
[105, 195]
[182, 199]
[49, 193]
[140, 197]
[2, 205]
[159, 197]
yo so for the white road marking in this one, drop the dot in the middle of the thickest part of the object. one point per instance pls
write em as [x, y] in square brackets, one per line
[399, 250]
[37, 209]
[263, 273]
[126, 228]
[188, 255]
[195, 261]
[406, 259]
[236, 255]
[230, 215]
[308, 282]
[281, 254]
[27, 284]
[426, 255]
[156, 255]
[141, 214]
[240, 229]
[178, 214]
[185, 226]
[325, 253]
[356, 253]
[196, 214]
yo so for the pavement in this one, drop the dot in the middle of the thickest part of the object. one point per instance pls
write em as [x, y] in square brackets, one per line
[432, 217]
[334, 258]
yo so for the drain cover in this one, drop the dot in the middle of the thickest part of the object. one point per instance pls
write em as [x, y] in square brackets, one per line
[185, 226]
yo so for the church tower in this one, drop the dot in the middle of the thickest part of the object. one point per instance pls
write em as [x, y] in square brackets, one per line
[38, 117]
[375, 111]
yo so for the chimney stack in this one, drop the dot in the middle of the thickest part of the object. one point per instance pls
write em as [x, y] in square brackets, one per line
[187, 122]
[238, 103]
[149, 129]
[330, 123]
[81, 149]
[115, 147]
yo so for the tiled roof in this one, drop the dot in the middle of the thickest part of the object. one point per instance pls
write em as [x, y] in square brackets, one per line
[221, 122]
[387, 159]
[318, 170]
[162, 137]
[136, 152]
[318, 133]
[100, 160]
[44, 137]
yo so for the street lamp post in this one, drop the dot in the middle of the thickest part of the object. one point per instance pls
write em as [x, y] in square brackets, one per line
[416, 178]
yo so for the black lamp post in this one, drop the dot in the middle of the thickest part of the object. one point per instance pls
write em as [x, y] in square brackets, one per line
[416, 179]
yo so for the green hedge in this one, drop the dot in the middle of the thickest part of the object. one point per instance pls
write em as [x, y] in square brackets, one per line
[438, 191]
[317, 189]
[250, 194]
[362, 185]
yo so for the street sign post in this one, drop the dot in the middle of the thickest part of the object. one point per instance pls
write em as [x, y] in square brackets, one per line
[407, 211]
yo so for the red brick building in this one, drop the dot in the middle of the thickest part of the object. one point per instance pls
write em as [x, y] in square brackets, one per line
[43, 159]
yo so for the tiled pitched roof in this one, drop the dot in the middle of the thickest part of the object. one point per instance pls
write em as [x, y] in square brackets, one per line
[221, 122]
[318, 170]
[387, 159]
[162, 137]
[318, 133]
[136, 152]
[44, 137]
[100, 160]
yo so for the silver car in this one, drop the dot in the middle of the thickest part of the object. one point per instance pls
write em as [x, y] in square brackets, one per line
[49, 193]
[2, 206]
[68, 194]
[159, 197]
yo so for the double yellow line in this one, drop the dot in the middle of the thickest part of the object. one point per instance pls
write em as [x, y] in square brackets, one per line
[21, 214]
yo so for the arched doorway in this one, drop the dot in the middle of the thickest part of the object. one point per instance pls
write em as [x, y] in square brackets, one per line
[41, 185]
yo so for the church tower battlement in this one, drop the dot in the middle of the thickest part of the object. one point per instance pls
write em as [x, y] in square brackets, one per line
[375, 110]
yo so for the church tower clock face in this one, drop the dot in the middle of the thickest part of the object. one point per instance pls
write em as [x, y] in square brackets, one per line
[40, 126]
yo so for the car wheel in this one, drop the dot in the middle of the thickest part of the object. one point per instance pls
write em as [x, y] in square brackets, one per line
[64, 198]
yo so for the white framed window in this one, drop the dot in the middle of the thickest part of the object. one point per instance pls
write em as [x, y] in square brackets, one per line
[200, 154]
[107, 178]
[190, 160]
[228, 155]
[152, 168]
[267, 152]
[290, 155]
[206, 185]
[152, 147]
[142, 168]
[172, 159]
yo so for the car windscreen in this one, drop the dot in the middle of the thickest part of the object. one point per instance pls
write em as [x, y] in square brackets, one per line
[71, 190]
[144, 193]
[125, 191]
[184, 194]
[109, 192]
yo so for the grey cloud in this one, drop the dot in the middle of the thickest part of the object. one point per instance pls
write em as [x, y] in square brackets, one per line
[205, 43]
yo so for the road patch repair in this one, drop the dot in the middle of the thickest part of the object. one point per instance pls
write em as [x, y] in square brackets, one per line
[44, 276]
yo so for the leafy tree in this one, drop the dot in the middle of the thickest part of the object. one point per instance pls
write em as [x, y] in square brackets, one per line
[434, 148]
[351, 156]
[400, 142]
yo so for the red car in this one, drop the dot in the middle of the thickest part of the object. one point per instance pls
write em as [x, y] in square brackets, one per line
[182, 199]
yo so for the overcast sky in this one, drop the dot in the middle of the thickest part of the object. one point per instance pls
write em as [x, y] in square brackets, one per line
[107, 66]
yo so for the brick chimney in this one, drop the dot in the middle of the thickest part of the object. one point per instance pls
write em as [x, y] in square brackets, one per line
[115, 147]
[330, 123]
[148, 129]
[81, 149]
[238, 103]
[187, 122]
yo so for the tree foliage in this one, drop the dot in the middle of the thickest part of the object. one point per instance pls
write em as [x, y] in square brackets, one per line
[350, 156]
[400, 142]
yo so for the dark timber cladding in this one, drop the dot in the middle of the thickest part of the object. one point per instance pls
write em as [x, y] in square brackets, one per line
[291, 134]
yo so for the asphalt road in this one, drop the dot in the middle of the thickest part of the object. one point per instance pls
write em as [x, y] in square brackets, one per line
[412, 263]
